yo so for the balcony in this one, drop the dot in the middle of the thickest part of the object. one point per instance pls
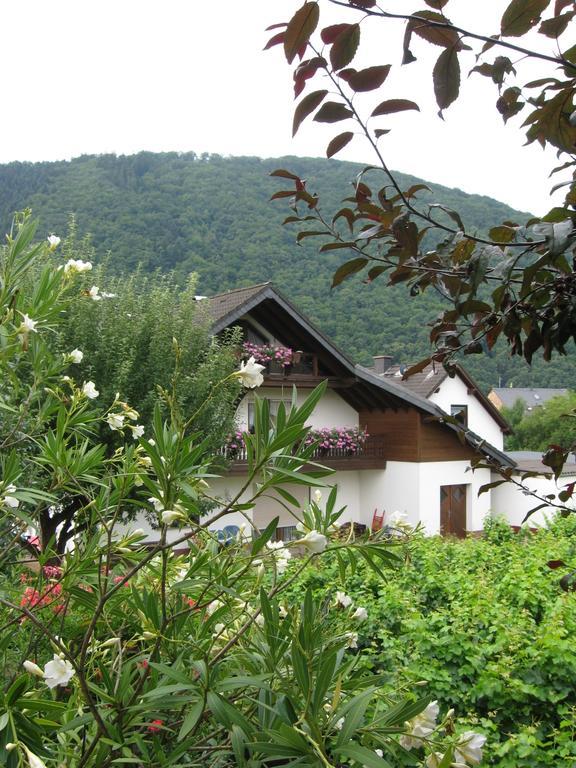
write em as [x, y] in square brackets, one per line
[370, 454]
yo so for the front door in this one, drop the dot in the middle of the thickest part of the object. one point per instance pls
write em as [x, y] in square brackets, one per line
[453, 510]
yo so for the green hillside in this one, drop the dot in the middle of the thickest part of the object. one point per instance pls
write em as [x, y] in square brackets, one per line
[212, 215]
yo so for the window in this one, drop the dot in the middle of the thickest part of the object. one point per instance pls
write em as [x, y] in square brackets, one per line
[274, 404]
[287, 533]
[460, 413]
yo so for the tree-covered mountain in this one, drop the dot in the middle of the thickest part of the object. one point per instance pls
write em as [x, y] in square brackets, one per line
[213, 216]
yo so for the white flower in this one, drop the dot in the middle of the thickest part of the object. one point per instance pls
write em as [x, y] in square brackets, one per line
[53, 241]
[170, 515]
[434, 759]
[317, 496]
[58, 672]
[156, 503]
[218, 629]
[115, 421]
[379, 752]
[360, 614]
[343, 599]
[282, 612]
[352, 640]
[28, 325]
[89, 389]
[339, 723]
[111, 642]
[469, 748]
[250, 373]
[259, 620]
[9, 500]
[33, 760]
[33, 668]
[137, 431]
[108, 295]
[398, 519]
[77, 265]
[314, 541]
[75, 356]
[420, 726]
[213, 607]
[94, 293]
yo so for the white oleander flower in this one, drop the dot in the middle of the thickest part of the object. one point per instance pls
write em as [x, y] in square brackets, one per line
[250, 373]
[94, 293]
[317, 495]
[33, 760]
[282, 612]
[420, 726]
[89, 389]
[111, 642]
[379, 752]
[360, 614]
[59, 671]
[169, 516]
[115, 421]
[352, 640]
[53, 241]
[156, 503]
[469, 748]
[259, 620]
[339, 724]
[28, 325]
[213, 607]
[343, 599]
[218, 629]
[33, 668]
[137, 431]
[314, 541]
[76, 356]
[77, 265]
[8, 500]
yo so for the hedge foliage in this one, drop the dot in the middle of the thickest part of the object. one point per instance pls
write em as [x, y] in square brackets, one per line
[487, 624]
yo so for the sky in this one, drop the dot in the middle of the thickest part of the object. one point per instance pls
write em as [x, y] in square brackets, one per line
[87, 77]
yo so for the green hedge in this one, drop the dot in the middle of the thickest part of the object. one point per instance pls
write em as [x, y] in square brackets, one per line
[486, 623]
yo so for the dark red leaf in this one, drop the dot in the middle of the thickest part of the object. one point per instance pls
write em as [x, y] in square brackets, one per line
[306, 106]
[348, 269]
[276, 40]
[557, 25]
[394, 105]
[368, 79]
[283, 174]
[446, 77]
[305, 71]
[345, 46]
[277, 26]
[416, 368]
[332, 112]
[438, 4]
[329, 34]
[521, 16]
[347, 73]
[338, 143]
[381, 132]
[438, 35]
[300, 28]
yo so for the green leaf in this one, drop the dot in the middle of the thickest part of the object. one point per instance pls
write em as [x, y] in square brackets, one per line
[306, 106]
[364, 756]
[345, 46]
[192, 717]
[521, 15]
[446, 77]
[338, 143]
[332, 112]
[389, 106]
[299, 29]
[265, 536]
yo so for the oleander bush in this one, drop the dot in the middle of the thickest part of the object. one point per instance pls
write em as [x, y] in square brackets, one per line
[487, 624]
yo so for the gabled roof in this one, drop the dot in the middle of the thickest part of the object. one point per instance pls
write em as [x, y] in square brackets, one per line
[366, 389]
[427, 381]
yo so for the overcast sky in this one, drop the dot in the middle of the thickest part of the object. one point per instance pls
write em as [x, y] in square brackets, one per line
[189, 75]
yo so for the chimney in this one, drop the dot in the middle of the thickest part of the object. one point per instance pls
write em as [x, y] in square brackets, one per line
[382, 363]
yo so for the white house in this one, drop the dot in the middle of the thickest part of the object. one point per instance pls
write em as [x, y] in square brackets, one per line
[422, 434]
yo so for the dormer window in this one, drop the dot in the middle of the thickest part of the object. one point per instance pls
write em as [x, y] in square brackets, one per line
[460, 413]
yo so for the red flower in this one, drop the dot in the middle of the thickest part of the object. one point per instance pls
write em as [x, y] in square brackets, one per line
[155, 726]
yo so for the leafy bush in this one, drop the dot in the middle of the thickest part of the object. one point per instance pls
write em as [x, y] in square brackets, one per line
[486, 623]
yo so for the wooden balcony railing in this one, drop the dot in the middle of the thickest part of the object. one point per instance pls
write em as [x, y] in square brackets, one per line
[370, 454]
[303, 364]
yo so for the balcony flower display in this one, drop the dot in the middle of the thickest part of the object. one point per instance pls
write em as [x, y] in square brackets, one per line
[347, 440]
[234, 444]
[267, 353]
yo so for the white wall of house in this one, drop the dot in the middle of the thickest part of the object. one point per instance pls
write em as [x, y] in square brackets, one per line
[394, 489]
[509, 501]
[331, 411]
[455, 392]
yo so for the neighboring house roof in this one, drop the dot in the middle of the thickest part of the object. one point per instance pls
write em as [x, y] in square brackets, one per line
[367, 390]
[531, 461]
[427, 381]
[531, 396]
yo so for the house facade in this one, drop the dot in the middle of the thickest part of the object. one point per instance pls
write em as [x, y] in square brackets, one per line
[416, 439]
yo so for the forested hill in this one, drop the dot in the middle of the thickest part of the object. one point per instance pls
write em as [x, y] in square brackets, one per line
[212, 215]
